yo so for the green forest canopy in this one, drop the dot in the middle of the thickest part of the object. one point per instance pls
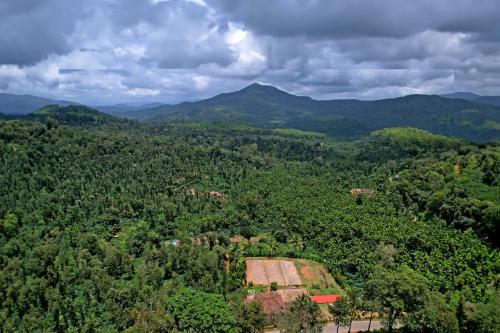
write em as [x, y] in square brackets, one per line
[85, 213]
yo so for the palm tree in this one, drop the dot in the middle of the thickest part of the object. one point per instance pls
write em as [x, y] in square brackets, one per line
[295, 241]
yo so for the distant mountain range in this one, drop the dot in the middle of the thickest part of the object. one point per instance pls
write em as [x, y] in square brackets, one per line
[491, 100]
[25, 104]
[268, 107]
[264, 106]
[124, 109]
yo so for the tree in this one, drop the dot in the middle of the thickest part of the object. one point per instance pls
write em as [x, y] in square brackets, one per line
[155, 321]
[8, 224]
[353, 300]
[481, 317]
[397, 291]
[340, 311]
[369, 304]
[303, 315]
[270, 244]
[435, 316]
[296, 242]
[249, 316]
[196, 311]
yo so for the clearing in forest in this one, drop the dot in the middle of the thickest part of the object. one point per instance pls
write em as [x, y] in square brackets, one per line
[315, 274]
[266, 271]
[287, 272]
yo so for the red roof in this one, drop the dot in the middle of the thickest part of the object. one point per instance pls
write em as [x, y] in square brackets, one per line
[271, 302]
[325, 299]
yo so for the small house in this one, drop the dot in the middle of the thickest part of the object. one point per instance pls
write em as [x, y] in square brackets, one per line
[362, 191]
[271, 302]
[325, 299]
[236, 239]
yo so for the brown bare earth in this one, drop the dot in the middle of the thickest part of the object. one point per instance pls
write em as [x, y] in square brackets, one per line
[274, 272]
[290, 273]
[256, 272]
[290, 294]
[266, 271]
[307, 273]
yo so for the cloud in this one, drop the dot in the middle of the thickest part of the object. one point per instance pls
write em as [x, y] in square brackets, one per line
[110, 51]
[32, 30]
[143, 92]
[359, 18]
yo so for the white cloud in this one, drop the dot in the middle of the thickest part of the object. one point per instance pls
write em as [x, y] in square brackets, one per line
[201, 82]
[173, 50]
[143, 92]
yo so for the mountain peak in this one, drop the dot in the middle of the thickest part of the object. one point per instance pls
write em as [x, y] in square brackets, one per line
[257, 87]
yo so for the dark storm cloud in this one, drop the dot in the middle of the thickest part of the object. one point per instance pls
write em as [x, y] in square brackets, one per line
[325, 19]
[361, 18]
[33, 29]
[431, 45]
[172, 50]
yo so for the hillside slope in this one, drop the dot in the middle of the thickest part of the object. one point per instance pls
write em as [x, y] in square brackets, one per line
[123, 109]
[25, 104]
[491, 100]
[73, 115]
[269, 107]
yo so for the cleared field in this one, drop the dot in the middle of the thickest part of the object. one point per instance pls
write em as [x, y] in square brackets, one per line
[256, 272]
[274, 272]
[290, 273]
[266, 271]
[290, 294]
[315, 274]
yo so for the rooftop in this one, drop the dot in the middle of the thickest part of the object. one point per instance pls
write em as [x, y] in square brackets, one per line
[325, 299]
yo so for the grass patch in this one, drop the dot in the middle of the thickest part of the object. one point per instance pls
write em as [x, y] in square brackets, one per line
[316, 278]
[298, 133]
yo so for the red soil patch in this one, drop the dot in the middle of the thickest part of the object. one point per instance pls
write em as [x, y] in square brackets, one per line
[307, 273]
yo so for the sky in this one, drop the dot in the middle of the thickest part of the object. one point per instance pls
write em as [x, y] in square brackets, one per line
[135, 51]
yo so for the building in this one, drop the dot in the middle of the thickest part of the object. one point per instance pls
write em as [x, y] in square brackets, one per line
[216, 194]
[237, 239]
[325, 299]
[362, 191]
[272, 303]
[254, 240]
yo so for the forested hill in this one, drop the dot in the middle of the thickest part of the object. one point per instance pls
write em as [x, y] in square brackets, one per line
[491, 100]
[269, 107]
[74, 115]
[88, 215]
[462, 115]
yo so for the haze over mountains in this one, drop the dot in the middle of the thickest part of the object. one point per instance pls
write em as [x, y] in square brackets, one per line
[462, 115]
[25, 104]
[491, 100]
[118, 109]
